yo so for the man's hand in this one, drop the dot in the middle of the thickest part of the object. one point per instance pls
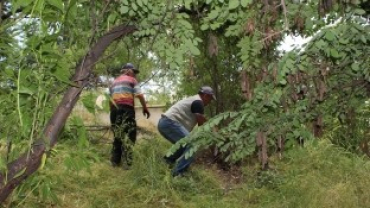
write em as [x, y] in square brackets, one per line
[146, 113]
[201, 119]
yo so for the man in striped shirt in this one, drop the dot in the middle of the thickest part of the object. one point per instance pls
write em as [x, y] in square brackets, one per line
[123, 91]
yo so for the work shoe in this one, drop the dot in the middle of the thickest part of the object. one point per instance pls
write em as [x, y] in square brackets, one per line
[115, 159]
[168, 161]
[177, 174]
[116, 154]
[126, 166]
[114, 164]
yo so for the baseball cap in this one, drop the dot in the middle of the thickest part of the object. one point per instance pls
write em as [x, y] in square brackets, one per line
[130, 66]
[207, 90]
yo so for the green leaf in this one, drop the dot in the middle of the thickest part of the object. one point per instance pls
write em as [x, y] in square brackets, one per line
[290, 64]
[89, 102]
[216, 121]
[139, 3]
[186, 24]
[359, 11]
[245, 3]
[20, 3]
[124, 2]
[112, 17]
[204, 27]
[363, 39]
[57, 3]
[179, 59]
[173, 65]
[240, 122]
[134, 6]
[9, 72]
[283, 82]
[308, 24]
[343, 41]
[295, 123]
[231, 115]
[334, 53]
[62, 74]
[150, 7]
[82, 137]
[355, 66]
[233, 4]
[187, 4]
[329, 36]
[131, 13]
[320, 44]
[359, 27]
[39, 6]
[194, 50]
[207, 127]
[20, 173]
[213, 14]
[3, 164]
[215, 26]
[25, 90]
[123, 9]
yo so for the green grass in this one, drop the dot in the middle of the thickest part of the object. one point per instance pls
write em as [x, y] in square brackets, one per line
[319, 175]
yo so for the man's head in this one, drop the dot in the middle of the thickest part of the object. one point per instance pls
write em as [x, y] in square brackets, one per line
[129, 69]
[207, 94]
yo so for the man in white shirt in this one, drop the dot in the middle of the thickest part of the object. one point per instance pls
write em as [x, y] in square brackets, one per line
[178, 121]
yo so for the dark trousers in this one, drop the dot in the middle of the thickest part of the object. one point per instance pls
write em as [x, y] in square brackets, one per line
[123, 124]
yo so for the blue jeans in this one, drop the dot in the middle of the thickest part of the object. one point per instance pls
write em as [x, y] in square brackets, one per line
[174, 132]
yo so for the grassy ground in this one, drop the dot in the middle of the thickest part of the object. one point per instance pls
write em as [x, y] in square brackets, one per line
[319, 175]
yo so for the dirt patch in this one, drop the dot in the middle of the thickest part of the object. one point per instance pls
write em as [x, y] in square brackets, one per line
[228, 173]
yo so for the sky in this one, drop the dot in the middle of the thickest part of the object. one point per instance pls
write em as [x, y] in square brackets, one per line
[290, 42]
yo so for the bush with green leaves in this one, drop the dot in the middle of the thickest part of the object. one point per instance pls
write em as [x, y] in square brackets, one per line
[328, 78]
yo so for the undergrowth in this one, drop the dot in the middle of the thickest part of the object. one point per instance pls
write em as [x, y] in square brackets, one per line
[318, 175]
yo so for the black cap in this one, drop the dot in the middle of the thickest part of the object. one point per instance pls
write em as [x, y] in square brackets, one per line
[207, 90]
[130, 66]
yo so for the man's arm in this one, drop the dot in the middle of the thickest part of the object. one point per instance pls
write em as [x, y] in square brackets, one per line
[143, 103]
[197, 108]
[112, 104]
[201, 119]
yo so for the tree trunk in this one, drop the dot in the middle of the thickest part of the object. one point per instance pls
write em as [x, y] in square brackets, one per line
[27, 164]
[246, 88]
[318, 126]
[280, 144]
[261, 143]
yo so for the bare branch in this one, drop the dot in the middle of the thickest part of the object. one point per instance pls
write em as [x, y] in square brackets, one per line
[285, 15]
